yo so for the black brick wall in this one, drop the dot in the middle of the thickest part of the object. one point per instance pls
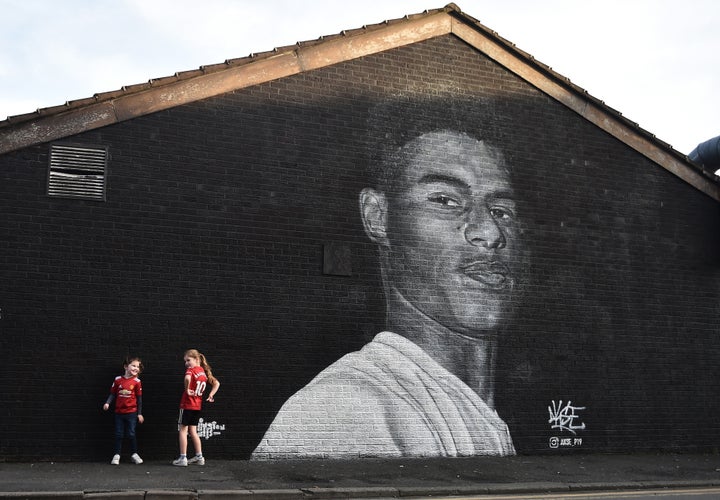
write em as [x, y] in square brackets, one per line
[213, 237]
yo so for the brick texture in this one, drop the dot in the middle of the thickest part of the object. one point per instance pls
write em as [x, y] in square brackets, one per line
[217, 222]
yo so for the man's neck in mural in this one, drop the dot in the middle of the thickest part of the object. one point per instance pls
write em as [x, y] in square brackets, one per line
[471, 359]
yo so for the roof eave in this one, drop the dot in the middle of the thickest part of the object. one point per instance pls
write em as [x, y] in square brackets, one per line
[209, 81]
[68, 120]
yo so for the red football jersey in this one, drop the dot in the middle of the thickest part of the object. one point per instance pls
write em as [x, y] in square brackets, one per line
[198, 383]
[126, 391]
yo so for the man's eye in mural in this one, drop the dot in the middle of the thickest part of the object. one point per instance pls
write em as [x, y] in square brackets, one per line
[502, 213]
[444, 200]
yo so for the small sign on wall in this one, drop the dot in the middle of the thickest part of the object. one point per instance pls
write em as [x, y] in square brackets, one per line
[209, 429]
[337, 259]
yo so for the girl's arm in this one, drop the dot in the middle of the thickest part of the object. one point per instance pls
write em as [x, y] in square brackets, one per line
[189, 391]
[109, 401]
[141, 419]
[215, 386]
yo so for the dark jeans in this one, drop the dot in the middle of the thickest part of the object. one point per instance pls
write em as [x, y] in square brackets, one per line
[125, 424]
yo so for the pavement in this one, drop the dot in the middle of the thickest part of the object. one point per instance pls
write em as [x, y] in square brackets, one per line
[364, 478]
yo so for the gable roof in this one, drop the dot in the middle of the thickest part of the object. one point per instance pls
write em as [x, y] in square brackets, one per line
[132, 101]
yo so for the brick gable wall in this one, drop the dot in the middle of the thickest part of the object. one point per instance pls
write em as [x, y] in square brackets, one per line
[221, 214]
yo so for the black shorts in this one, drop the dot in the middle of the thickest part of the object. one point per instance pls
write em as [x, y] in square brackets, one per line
[189, 417]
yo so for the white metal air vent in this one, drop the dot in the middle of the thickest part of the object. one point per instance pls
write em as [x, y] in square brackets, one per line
[77, 171]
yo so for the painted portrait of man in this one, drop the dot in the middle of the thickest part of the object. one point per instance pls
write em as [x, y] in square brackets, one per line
[442, 212]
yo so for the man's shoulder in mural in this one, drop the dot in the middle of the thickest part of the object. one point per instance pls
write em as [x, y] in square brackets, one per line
[389, 399]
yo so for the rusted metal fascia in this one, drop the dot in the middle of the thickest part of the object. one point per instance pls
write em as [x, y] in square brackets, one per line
[358, 45]
[54, 127]
[205, 86]
[134, 105]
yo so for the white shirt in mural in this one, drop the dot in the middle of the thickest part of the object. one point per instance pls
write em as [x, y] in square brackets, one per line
[390, 399]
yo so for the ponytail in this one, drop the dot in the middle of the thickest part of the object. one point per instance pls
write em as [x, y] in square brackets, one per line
[206, 366]
[194, 353]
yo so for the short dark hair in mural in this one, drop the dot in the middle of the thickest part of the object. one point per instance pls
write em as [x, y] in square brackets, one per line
[442, 212]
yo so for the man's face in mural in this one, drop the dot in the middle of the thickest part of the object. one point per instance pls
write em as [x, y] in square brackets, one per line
[447, 231]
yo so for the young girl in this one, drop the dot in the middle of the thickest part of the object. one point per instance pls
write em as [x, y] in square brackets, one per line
[126, 391]
[197, 376]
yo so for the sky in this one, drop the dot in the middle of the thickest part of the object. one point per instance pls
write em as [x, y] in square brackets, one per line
[655, 61]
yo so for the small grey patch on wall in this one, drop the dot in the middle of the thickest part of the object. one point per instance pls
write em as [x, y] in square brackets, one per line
[337, 259]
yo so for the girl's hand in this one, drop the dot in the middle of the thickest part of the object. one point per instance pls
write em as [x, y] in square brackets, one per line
[106, 406]
[211, 399]
[141, 419]
[190, 392]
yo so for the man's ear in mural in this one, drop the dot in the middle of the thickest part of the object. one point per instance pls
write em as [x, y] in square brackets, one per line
[373, 208]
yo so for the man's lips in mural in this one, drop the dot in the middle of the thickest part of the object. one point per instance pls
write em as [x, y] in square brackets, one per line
[492, 274]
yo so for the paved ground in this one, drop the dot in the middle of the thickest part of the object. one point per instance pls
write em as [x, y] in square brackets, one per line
[367, 478]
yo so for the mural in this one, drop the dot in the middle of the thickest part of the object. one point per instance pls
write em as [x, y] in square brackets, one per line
[442, 213]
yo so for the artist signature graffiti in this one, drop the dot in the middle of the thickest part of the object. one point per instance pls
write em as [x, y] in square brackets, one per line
[565, 417]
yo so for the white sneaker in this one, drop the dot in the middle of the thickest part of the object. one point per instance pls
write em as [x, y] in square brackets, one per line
[136, 458]
[197, 460]
[181, 462]
[115, 460]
